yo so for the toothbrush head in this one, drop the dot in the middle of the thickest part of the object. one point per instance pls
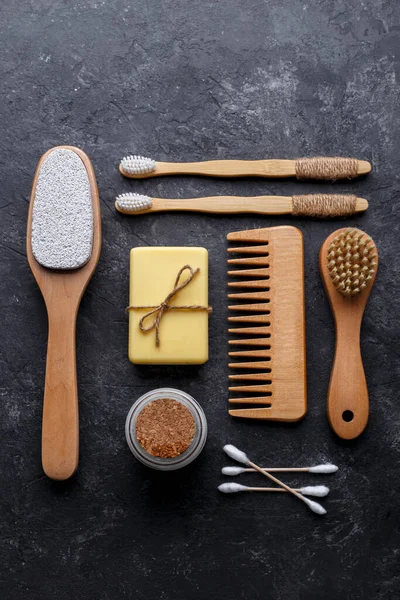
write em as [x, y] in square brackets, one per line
[137, 165]
[352, 261]
[133, 203]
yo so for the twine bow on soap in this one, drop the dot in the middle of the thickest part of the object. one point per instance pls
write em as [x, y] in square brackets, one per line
[164, 306]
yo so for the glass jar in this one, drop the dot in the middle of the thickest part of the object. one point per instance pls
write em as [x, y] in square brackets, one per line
[199, 438]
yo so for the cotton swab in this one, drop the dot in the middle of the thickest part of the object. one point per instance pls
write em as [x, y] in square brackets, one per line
[318, 469]
[310, 490]
[241, 457]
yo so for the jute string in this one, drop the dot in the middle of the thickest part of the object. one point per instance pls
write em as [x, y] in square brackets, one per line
[324, 205]
[164, 306]
[326, 168]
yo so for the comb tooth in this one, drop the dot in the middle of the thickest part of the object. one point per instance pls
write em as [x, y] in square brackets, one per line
[252, 388]
[251, 377]
[250, 250]
[252, 413]
[260, 364]
[251, 353]
[257, 400]
[259, 260]
[251, 295]
[255, 236]
[250, 273]
[251, 319]
[251, 330]
[261, 308]
[264, 341]
[259, 284]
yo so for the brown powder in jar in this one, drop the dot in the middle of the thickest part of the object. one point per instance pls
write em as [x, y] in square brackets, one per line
[165, 428]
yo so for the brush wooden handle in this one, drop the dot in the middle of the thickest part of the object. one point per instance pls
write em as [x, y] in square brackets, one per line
[232, 168]
[348, 402]
[60, 431]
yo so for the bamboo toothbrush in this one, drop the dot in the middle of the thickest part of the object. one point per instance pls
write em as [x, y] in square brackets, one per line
[312, 205]
[63, 248]
[241, 457]
[348, 263]
[309, 490]
[329, 168]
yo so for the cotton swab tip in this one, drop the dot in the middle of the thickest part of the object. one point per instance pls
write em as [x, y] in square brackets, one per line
[231, 488]
[236, 454]
[315, 507]
[315, 490]
[233, 470]
[327, 468]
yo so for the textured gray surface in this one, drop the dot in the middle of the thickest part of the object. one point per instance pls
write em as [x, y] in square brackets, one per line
[188, 81]
[62, 216]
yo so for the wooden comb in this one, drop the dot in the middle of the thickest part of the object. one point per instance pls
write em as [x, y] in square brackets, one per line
[269, 331]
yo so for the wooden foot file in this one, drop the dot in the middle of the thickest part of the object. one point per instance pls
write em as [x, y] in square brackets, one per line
[267, 320]
[63, 248]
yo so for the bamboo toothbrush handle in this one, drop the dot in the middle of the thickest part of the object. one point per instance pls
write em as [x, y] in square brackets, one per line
[227, 204]
[228, 168]
[348, 402]
[60, 435]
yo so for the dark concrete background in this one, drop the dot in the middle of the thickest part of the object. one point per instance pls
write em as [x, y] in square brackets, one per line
[183, 80]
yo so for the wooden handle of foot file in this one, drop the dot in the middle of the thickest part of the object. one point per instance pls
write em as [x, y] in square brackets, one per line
[348, 402]
[60, 431]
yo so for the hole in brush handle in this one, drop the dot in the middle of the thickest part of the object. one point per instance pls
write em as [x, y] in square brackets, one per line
[347, 416]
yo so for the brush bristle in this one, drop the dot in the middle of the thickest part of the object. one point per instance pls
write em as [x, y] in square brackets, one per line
[133, 203]
[137, 165]
[351, 261]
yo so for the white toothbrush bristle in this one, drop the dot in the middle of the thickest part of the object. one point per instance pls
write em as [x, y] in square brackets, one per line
[137, 165]
[133, 203]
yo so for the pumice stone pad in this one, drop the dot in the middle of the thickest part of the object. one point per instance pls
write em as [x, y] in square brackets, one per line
[62, 217]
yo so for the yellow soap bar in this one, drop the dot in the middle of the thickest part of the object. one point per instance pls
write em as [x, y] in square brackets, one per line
[183, 333]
